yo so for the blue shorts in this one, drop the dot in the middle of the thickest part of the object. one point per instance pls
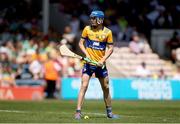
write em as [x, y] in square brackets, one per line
[99, 72]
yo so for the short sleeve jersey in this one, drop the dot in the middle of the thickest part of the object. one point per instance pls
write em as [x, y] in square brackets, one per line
[96, 41]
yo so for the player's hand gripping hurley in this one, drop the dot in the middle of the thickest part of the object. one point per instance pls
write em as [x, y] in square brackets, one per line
[66, 52]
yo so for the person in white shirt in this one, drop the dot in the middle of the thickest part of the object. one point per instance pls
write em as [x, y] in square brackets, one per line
[137, 45]
[142, 71]
[177, 75]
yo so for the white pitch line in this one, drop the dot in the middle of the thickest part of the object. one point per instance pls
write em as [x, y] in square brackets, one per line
[92, 113]
[14, 111]
[67, 113]
[88, 113]
[101, 114]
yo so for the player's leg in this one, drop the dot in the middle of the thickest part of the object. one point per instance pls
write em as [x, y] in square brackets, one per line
[105, 87]
[102, 75]
[107, 97]
[84, 86]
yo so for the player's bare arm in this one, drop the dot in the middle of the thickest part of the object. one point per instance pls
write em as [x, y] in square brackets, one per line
[82, 47]
[108, 53]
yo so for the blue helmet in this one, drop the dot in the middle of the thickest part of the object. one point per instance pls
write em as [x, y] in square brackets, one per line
[98, 14]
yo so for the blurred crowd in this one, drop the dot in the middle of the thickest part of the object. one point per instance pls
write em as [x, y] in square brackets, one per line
[25, 53]
[126, 17]
[25, 59]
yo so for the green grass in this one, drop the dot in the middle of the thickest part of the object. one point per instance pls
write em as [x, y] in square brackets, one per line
[57, 111]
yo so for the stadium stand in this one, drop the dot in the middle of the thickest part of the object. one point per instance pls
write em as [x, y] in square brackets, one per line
[126, 62]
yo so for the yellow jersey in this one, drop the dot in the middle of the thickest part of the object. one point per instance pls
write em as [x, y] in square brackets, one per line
[96, 41]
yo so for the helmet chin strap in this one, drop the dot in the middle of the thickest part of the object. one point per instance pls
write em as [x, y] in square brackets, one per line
[99, 21]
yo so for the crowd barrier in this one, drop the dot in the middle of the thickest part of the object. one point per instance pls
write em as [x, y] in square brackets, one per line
[124, 89]
[29, 82]
[22, 93]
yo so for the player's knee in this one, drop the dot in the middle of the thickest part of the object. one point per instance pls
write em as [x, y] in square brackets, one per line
[106, 88]
[84, 87]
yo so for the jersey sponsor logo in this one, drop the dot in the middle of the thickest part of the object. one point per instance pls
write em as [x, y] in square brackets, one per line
[96, 47]
[96, 44]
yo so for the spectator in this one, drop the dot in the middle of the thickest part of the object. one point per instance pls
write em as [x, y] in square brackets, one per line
[69, 36]
[153, 15]
[137, 45]
[162, 74]
[75, 24]
[129, 32]
[164, 20]
[173, 44]
[6, 77]
[35, 68]
[115, 28]
[177, 74]
[177, 54]
[142, 71]
[51, 74]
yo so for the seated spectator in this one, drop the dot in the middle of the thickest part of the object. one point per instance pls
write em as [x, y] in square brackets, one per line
[177, 55]
[23, 71]
[177, 74]
[142, 71]
[137, 45]
[173, 44]
[73, 67]
[162, 74]
[50, 46]
[35, 68]
[6, 77]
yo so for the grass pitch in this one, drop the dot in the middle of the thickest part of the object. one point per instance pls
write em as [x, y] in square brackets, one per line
[61, 111]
